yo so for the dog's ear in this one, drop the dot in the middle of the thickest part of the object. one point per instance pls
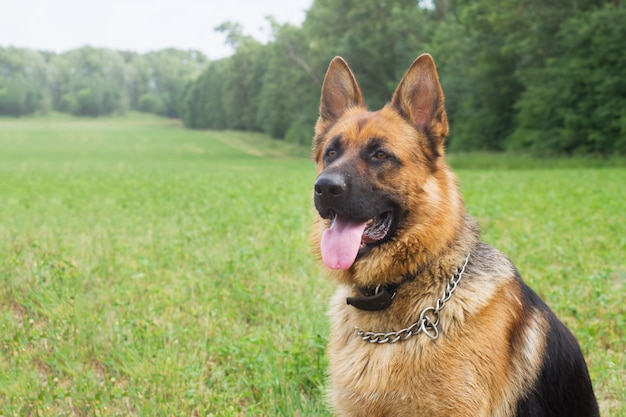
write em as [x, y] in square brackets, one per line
[419, 98]
[340, 92]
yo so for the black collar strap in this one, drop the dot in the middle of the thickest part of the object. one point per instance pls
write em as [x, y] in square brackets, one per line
[381, 297]
[374, 300]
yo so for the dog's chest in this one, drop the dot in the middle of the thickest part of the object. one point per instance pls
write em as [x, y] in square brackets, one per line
[413, 377]
[454, 374]
[387, 379]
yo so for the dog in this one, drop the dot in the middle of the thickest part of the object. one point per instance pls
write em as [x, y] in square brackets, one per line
[427, 320]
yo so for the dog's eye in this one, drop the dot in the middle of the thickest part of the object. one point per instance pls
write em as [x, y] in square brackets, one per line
[381, 155]
[331, 153]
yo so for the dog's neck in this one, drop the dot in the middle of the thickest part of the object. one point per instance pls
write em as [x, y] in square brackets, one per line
[428, 319]
[381, 297]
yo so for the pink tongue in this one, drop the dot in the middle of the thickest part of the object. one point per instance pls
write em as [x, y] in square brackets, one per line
[341, 243]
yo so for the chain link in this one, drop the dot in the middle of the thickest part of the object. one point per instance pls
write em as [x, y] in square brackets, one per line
[428, 320]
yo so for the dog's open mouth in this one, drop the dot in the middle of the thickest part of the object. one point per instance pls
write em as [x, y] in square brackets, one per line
[345, 238]
[377, 228]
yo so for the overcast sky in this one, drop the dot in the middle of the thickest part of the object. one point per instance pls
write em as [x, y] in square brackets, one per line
[139, 25]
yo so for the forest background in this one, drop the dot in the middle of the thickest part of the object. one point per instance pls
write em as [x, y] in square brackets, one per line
[519, 75]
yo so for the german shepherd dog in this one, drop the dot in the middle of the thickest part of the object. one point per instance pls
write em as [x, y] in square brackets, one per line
[427, 320]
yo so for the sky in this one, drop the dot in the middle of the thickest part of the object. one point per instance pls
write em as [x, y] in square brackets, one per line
[139, 25]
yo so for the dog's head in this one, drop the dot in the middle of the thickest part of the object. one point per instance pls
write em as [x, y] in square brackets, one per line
[383, 191]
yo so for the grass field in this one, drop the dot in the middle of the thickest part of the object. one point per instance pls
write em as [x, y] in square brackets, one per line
[148, 270]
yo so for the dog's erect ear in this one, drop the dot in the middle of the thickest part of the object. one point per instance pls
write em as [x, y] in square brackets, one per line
[339, 92]
[420, 98]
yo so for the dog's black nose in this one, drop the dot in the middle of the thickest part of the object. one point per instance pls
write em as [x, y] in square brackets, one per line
[329, 185]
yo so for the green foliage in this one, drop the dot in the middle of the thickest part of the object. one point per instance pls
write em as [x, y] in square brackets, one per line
[575, 105]
[151, 103]
[519, 75]
[22, 82]
[481, 76]
[275, 87]
[151, 270]
[286, 68]
[95, 82]
[505, 66]
[201, 104]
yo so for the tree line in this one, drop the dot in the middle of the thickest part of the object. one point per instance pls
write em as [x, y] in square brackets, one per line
[94, 81]
[533, 75]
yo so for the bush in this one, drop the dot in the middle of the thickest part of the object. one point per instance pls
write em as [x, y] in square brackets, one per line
[151, 103]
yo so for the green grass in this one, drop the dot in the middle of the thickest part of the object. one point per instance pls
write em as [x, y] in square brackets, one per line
[150, 270]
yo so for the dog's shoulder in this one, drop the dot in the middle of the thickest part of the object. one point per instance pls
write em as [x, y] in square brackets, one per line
[563, 384]
[548, 375]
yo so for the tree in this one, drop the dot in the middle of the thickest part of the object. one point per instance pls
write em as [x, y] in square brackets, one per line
[94, 81]
[290, 84]
[23, 82]
[576, 104]
[91, 82]
[201, 104]
[242, 86]
[275, 87]
[168, 71]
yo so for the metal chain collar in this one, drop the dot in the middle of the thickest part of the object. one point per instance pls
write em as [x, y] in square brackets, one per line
[428, 320]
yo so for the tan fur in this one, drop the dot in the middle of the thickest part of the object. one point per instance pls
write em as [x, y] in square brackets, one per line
[470, 370]
[466, 372]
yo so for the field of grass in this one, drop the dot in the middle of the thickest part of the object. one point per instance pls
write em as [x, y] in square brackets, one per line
[150, 270]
